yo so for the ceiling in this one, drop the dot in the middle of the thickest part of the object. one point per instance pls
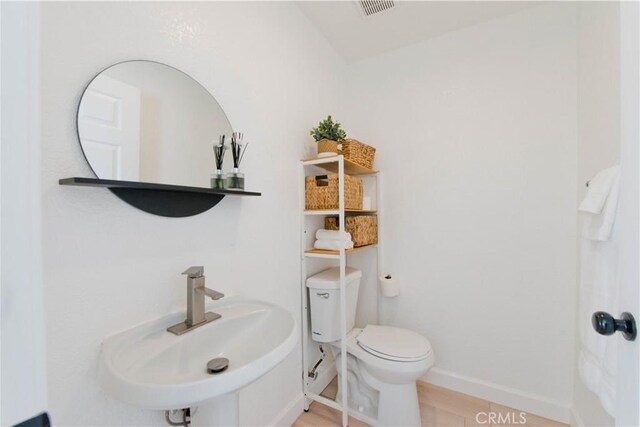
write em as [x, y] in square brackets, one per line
[355, 36]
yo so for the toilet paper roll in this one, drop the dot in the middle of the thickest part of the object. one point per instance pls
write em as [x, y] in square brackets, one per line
[388, 286]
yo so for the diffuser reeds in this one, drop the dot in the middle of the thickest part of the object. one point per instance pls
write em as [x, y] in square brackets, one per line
[237, 149]
[235, 180]
[219, 179]
[219, 151]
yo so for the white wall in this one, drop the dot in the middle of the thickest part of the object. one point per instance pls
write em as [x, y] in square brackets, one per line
[108, 266]
[598, 137]
[476, 132]
[22, 368]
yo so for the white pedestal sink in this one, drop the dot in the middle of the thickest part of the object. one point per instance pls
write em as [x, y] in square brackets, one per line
[151, 368]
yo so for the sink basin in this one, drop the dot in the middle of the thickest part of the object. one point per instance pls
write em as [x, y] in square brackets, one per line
[151, 368]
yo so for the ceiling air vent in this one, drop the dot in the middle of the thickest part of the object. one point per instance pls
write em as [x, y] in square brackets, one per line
[372, 7]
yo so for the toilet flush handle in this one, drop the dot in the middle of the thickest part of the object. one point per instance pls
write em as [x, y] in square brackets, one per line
[324, 295]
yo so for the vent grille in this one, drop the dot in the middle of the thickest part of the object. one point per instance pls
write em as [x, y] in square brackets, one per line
[371, 7]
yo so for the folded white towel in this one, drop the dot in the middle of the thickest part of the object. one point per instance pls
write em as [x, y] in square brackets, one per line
[599, 189]
[333, 235]
[333, 245]
[599, 220]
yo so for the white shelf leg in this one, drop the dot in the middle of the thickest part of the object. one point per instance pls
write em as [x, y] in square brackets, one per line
[343, 299]
[379, 250]
[304, 296]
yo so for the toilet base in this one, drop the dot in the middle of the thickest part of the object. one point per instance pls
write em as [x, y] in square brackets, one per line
[382, 391]
[384, 404]
[397, 404]
[363, 400]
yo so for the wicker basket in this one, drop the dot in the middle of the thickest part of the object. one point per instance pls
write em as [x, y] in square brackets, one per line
[327, 148]
[321, 192]
[358, 152]
[363, 228]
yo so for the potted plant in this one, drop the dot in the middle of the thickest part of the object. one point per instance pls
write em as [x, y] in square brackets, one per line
[328, 135]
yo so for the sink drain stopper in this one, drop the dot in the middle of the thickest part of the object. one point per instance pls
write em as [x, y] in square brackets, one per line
[217, 365]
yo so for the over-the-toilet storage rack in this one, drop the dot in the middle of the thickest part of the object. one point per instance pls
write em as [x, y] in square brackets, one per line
[307, 233]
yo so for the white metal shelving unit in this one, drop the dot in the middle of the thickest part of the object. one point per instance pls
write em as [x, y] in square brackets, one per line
[339, 165]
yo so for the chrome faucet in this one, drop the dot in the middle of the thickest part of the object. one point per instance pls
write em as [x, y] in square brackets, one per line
[195, 302]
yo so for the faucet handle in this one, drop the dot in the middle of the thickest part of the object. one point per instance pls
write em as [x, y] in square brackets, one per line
[214, 295]
[194, 272]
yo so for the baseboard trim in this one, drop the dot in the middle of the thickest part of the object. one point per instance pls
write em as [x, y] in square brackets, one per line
[575, 418]
[502, 395]
[290, 413]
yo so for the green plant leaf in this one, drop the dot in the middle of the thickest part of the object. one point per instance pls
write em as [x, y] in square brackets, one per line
[328, 129]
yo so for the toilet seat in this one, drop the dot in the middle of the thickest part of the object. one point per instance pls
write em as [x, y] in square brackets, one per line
[395, 344]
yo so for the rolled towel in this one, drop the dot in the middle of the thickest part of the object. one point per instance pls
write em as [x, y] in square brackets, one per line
[333, 245]
[336, 235]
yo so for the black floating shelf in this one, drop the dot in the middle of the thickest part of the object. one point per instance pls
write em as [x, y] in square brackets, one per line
[161, 199]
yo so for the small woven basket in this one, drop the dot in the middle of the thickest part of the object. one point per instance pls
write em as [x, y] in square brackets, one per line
[358, 152]
[363, 228]
[327, 147]
[321, 192]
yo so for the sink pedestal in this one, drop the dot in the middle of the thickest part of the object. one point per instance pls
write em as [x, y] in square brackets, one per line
[222, 411]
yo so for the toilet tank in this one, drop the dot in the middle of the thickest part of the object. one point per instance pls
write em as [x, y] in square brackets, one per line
[324, 299]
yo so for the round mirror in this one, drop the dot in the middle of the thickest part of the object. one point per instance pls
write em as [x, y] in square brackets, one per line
[149, 122]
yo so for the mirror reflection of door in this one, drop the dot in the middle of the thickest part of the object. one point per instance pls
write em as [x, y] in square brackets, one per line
[163, 134]
[109, 122]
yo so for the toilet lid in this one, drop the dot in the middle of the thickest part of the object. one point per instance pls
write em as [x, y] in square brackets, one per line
[394, 343]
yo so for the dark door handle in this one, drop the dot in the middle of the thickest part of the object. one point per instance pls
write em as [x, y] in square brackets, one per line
[606, 324]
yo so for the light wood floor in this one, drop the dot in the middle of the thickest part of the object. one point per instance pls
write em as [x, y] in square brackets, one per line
[439, 407]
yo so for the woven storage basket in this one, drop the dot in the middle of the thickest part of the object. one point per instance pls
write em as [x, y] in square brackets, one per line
[363, 228]
[321, 192]
[327, 147]
[358, 152]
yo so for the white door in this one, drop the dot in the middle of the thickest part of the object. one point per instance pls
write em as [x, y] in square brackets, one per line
[109, 128]
[628, 376]
[23, 377]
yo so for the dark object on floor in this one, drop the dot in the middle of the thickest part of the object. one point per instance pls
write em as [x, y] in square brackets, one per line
[41, 420]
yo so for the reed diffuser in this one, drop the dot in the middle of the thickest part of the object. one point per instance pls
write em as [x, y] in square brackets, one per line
[218, 180]
[235, 180]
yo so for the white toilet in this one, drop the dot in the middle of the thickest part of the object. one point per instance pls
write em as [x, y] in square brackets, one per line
[383, 362]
